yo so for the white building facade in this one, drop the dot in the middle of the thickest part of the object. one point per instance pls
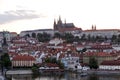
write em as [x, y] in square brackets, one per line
[110, 65]
[102, 32]
[48, 31]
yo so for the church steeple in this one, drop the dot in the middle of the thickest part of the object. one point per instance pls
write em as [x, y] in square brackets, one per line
[59, 21]
[59, 18]
[65, 23]
[93, 27]
[55, 25]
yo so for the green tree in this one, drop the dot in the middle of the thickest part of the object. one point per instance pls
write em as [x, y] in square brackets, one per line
[35, 70]
[76, 39]
[46, 37]
[43, 37]
[89, 37]
[61, 65]
[114, 38]
[83, 37]
[118, 39]
[69, 37]
[57, 35]
[53, 60]
[119, 36]
[34, 35]
[50, 60]
[105, 38]
[6, 60]
[97, 38]
[47, 60]
[27, 35]
[93, 39]
[93, 63]
[40, 37]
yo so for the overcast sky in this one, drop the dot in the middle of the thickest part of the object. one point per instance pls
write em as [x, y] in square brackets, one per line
[19, 15]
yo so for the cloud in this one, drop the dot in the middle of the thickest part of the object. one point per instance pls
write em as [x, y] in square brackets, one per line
[12, 15]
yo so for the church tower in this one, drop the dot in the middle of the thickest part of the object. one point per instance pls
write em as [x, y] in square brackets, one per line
[59, 23]
[55, 25]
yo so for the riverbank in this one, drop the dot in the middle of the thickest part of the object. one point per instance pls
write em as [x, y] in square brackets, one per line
[18, 72]
[98, 72]
[103, 72]
[66, 76]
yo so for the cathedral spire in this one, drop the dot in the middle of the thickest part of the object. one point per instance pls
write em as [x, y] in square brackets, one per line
[65, 22]
[59, 18]
[59, 21]
[55, 25]
[54, 21]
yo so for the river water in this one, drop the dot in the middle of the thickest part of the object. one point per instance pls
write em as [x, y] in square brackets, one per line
[65, 76]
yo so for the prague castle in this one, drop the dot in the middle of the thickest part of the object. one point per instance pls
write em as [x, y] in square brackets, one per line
[62, 27]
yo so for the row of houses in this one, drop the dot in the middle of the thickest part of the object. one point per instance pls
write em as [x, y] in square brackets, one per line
[26, 52]
[69, 54]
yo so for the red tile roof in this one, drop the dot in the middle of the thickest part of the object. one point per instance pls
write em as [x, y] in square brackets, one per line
[13, 33]
[12, 54]
[99, 46]
[102, 54]
[102, 30]
[23, 58]
[69, 29]
[49, 65]
[111, 62]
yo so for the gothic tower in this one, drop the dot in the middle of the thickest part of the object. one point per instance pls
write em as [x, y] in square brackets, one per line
[55, 25]
[59, 23]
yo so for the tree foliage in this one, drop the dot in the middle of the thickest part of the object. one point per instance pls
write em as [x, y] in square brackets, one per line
[43, 37]
[76, 39]
[57, 35]
[93, 63]
[27, 35]
[83, 37]
[34, 35]
[68, 37]
[5, 60]
[35, 70]
[115, 39]
[50, 60]
[53, 60]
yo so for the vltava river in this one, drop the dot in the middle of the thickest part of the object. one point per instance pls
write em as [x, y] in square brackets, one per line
[65, 76]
